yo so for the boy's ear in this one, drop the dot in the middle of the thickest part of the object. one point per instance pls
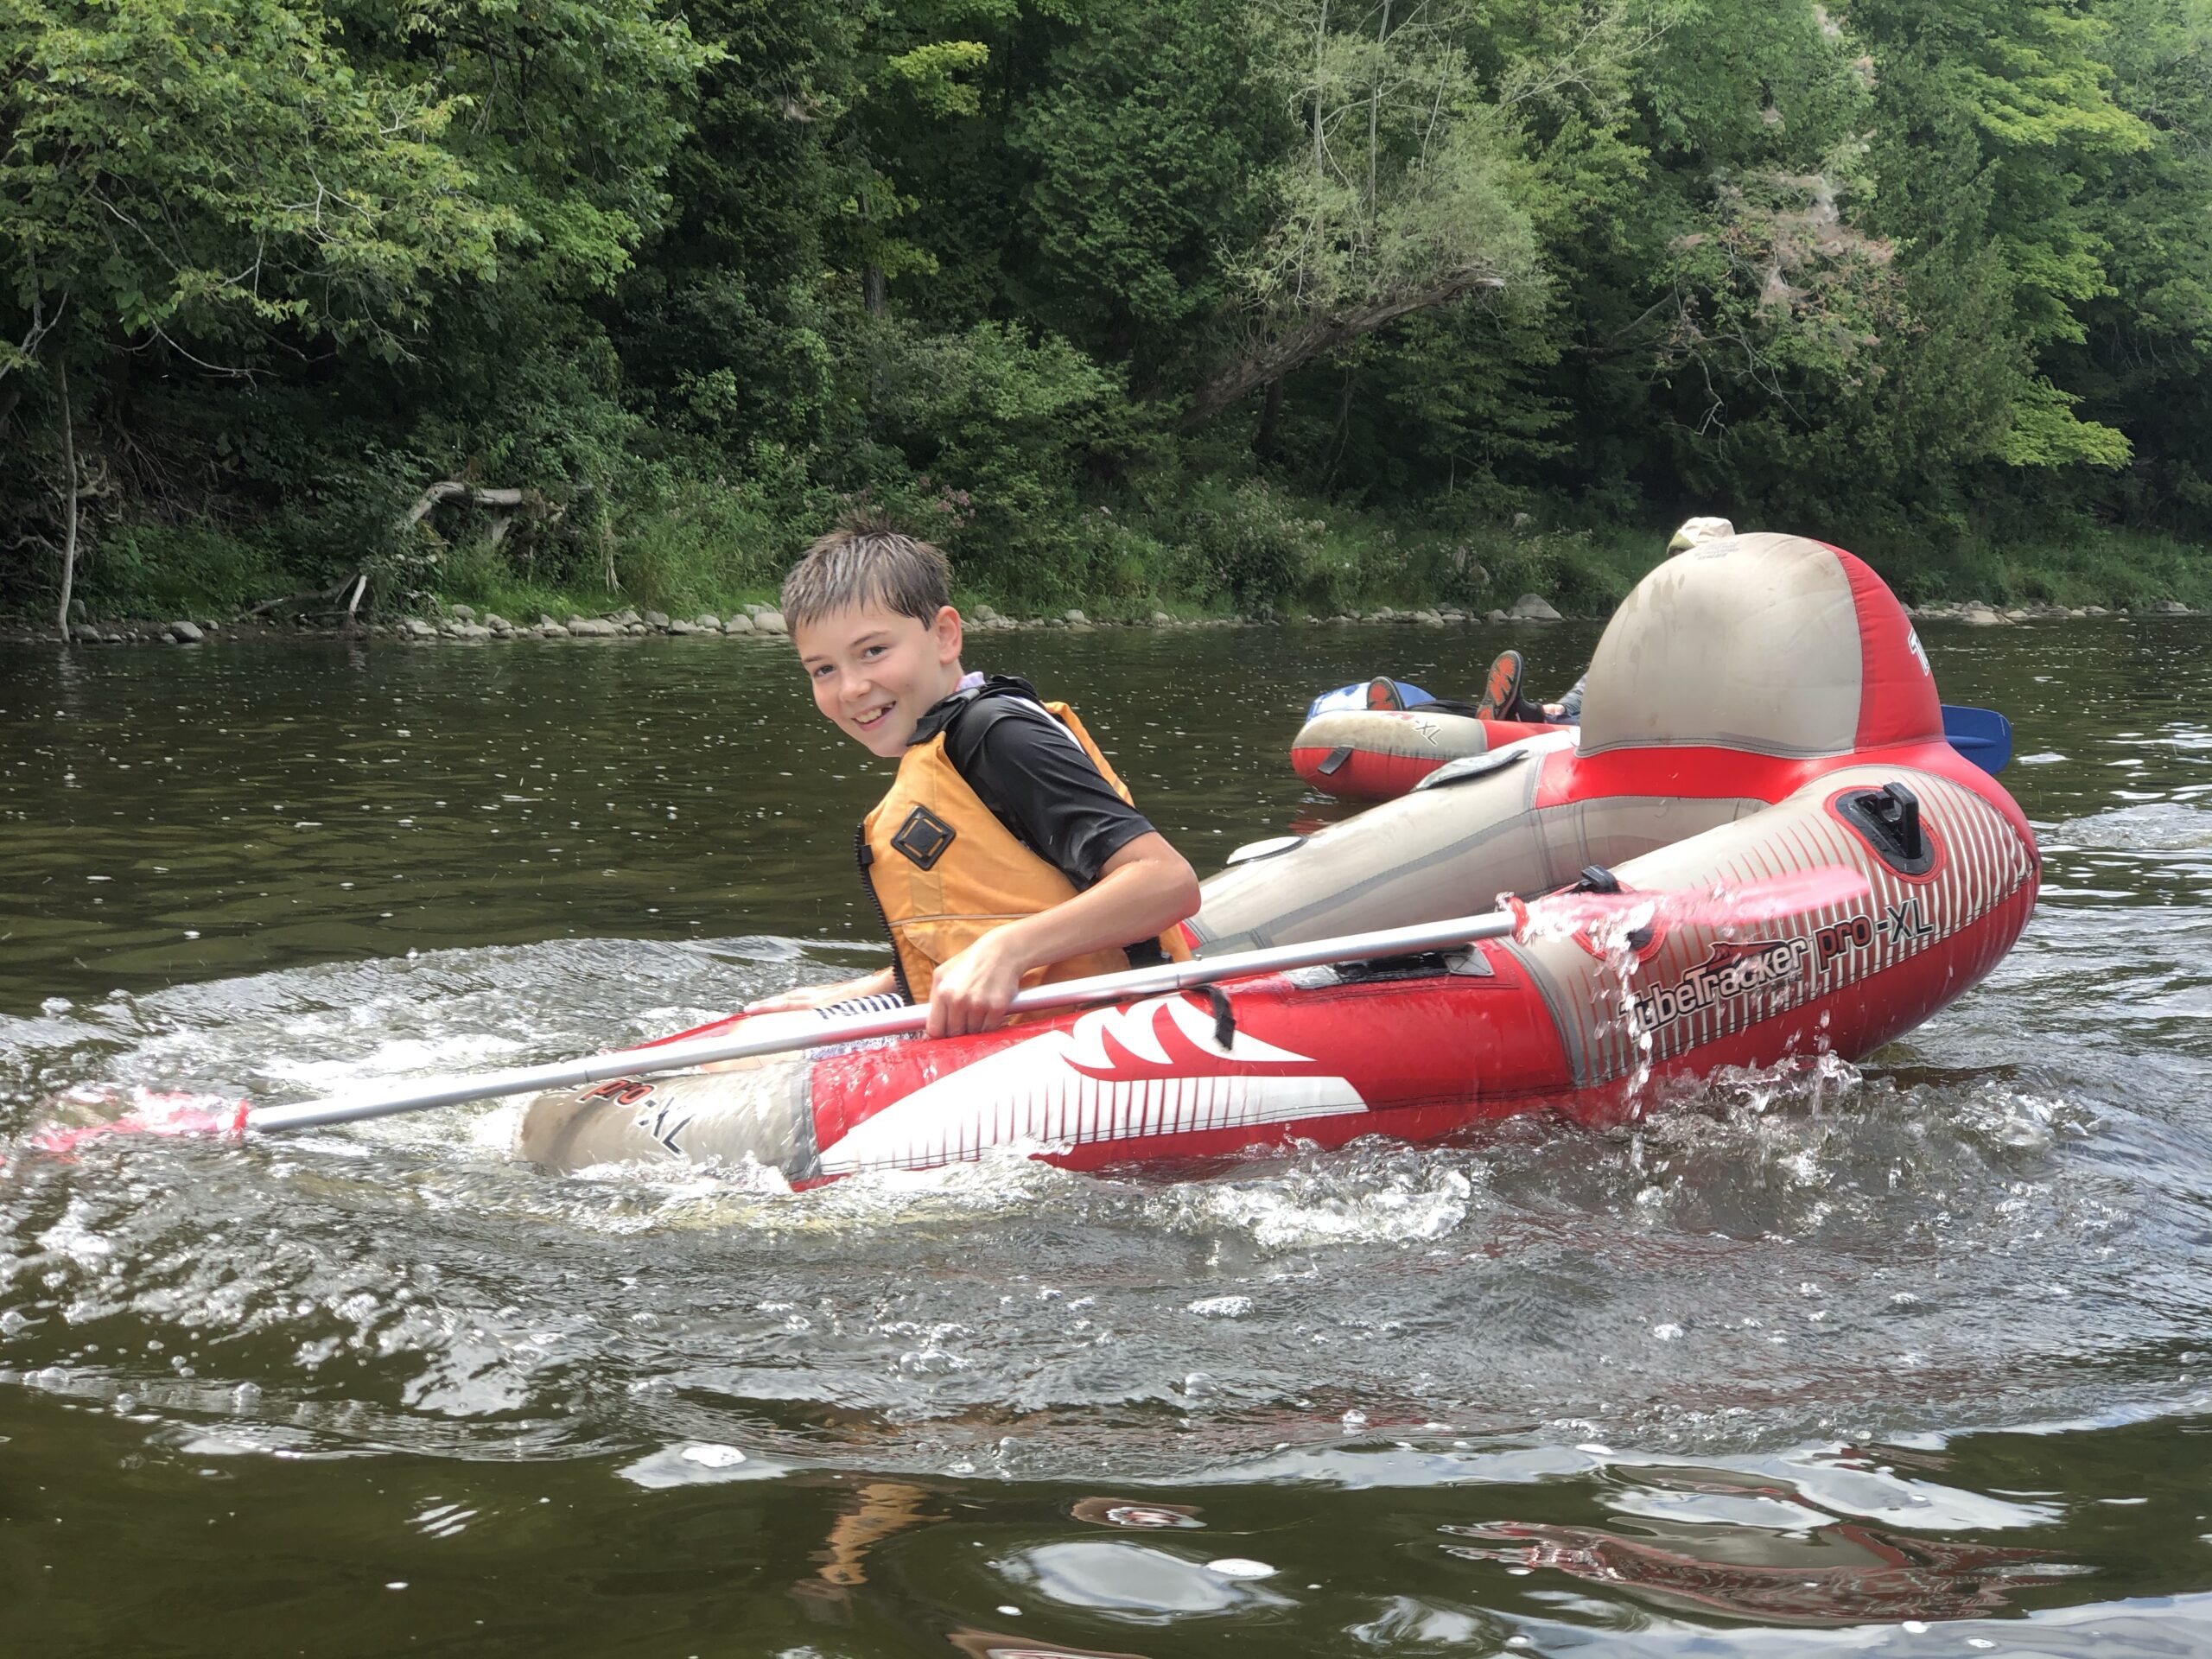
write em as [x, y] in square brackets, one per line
[945, 629]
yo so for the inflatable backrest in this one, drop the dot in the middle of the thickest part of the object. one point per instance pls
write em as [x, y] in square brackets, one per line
[1776, 644]
[1444, 852]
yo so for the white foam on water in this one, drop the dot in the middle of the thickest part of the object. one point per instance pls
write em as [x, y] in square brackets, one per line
[1238, 1566]
[1222, 1307]
[700, 1465]
[1326, 1202]
[2163, 826]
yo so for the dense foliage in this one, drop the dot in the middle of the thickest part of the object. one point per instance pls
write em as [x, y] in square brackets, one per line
[1242, 301]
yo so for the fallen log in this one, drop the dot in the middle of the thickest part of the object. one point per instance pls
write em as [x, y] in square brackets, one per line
[503, 504]
[476, 495]
[327, 595]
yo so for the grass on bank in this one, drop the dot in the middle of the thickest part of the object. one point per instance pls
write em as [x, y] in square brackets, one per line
[1220, 548]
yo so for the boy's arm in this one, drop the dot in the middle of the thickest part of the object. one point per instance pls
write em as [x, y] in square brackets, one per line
[820, 996]
[1144, 888]
[1570, 706]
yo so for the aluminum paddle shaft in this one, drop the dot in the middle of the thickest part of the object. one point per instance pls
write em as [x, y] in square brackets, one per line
[1559, 915]
[890, 1022]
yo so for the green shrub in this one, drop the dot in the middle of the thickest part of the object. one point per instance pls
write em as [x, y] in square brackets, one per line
[704, 544]
[992, 431]
[1249, 544]
[1113, 564]
[155, 570]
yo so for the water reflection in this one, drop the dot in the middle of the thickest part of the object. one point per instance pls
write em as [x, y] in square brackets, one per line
[1139, 1583]
[1143, 1517]
[877, 1509]
[1881, 1575]
[985, 1644]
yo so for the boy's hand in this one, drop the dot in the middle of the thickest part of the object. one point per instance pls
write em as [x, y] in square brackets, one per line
[795, 1000]
[799, 998]
[973, 991]
[802, 997]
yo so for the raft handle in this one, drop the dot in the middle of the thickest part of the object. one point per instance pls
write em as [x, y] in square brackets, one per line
[1889, 819]
[1224, 1018]
[1423, 964]
[1272, 846]
[1469, 766]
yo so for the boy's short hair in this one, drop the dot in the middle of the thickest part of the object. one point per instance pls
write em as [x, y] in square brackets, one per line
[866, 561]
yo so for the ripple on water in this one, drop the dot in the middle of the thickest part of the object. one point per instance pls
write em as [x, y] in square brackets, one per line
[1745, 1269]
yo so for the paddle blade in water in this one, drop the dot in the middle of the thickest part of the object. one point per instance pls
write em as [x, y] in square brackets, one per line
[94, 1114]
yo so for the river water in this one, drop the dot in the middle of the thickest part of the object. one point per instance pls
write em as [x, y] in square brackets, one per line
[1913, 1358]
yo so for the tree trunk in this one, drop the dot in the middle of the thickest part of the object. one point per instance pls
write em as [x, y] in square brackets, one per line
[1302, 344]
[1263, 436]
[875, 296]
[1374, 106]
[1320, 43]
[1340, 434]
[68, 494]
[322, 596]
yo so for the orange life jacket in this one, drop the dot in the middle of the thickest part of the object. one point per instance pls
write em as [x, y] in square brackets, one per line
[946, 871]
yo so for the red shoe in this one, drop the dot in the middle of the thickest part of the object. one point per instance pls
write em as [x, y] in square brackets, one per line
[1502, 690]
[1382, 693]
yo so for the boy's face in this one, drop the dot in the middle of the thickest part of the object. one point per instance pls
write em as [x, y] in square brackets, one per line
[876, 673]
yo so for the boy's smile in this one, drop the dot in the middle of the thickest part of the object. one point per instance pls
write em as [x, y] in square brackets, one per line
[874, 672]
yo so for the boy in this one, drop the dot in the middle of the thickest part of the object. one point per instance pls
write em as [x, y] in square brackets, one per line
[1006, 852]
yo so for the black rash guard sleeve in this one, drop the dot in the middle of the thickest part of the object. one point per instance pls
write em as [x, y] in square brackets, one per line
[1036, 779]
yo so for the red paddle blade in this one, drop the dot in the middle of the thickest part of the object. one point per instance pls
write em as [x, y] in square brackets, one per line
[137, 1111]
[1612, 916]
[712, 1028]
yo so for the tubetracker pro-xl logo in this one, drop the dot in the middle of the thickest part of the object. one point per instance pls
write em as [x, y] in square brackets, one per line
[1727, 972]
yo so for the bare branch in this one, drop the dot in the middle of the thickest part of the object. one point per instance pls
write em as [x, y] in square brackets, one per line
[454, 490]
[1274, 358]
[69, 496]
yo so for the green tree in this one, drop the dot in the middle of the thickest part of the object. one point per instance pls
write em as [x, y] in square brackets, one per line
[726, 326]
[1403, 191]
[2028, 80]
[217, 172]
[2144, 362]
[241, 189]
[215, 179]
[1146, 148]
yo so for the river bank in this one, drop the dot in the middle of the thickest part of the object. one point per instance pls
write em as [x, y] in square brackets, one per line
[1289, 557]
[465, 623]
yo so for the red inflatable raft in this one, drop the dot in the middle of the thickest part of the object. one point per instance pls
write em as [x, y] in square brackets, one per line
[1758, 706]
